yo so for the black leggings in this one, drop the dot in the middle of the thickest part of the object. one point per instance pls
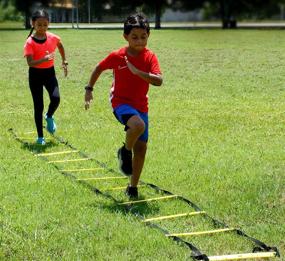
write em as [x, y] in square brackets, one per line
[37, 79]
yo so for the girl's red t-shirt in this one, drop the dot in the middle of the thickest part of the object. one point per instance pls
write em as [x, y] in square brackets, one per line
[39, 50]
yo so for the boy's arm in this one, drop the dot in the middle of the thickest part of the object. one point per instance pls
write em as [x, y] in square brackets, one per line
[154, 79]
[89, 88]
[62, 54]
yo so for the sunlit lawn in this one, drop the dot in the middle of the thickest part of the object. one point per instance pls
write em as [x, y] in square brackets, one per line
[216, 137]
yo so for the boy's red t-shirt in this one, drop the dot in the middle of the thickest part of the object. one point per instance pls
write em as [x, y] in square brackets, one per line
[39, 50]
[128, 88]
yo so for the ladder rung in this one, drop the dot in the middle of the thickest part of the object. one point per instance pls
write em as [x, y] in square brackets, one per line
[56, 153]
[80, 170]
[102, 178]
[70, 160]
[147, 200]
[29, 138]
[29, 132]
[200, 232]
[120, 188]
[175, 216]
[243, 256]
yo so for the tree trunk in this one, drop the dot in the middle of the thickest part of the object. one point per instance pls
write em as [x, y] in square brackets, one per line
[158, 6]
[27, 17]
[228, 21]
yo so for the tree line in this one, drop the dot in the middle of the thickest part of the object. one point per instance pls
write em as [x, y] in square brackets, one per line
[228, 11]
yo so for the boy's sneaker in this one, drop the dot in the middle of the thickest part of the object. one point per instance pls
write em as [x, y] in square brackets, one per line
[132, 192]
[125, 161]
[51, 126]
[41, 141]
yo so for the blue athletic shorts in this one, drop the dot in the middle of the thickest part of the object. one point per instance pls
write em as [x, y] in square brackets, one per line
[124, 112]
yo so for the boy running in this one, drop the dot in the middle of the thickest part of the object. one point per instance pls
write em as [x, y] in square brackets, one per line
[134, 68]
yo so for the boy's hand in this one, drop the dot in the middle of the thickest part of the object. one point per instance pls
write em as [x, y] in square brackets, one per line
[131, 67]
[88, 98]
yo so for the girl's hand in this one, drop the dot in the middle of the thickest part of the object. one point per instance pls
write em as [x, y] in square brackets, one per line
[88, 98]
[64, 66]
[49, 56]
[131, 67]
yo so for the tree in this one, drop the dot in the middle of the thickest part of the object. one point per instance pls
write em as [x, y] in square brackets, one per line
[125, 7]
[150, 7]
[26, 7]
[230, 11]
[8, 11]
[157, 7]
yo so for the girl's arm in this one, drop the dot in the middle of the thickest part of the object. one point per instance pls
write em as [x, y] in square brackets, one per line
[62, 54]
[89, 88]
[31, 62]
[154, 79]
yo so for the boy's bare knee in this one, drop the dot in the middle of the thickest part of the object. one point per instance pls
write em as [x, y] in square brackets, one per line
[140, 127]
[137, 124]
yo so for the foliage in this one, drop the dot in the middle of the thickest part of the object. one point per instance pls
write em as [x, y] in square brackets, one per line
[231, 10]
[27, 7]
[30, 4]
[242, 8]
[8, 12]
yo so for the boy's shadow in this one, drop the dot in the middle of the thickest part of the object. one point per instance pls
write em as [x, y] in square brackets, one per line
[140, 210]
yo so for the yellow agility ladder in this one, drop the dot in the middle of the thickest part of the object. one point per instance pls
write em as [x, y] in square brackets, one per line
[259, 251]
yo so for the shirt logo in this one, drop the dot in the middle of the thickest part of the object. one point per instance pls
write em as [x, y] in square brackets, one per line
[122, 67]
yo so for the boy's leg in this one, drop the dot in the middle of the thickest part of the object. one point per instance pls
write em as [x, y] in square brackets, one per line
[139, 150]
[136, 128]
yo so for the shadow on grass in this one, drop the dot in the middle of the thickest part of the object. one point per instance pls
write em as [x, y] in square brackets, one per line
[37, 148]
[141, 209]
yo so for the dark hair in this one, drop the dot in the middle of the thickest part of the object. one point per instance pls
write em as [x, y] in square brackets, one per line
[36, 15]
[136, 21]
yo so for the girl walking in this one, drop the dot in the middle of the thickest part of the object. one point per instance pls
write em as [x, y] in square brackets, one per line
[39, 51]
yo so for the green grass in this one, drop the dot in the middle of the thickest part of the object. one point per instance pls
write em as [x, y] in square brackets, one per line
[11, 25]
[216, 137]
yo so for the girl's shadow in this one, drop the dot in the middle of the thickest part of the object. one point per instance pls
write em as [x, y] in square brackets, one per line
[37, 148]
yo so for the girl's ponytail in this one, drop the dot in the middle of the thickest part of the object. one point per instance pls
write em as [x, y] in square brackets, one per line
[32, 29]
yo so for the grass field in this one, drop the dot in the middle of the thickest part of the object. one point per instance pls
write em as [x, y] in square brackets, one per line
[216, 137]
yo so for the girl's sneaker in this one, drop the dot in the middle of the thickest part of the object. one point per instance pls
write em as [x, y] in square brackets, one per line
[51, 126]
[41, 141]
